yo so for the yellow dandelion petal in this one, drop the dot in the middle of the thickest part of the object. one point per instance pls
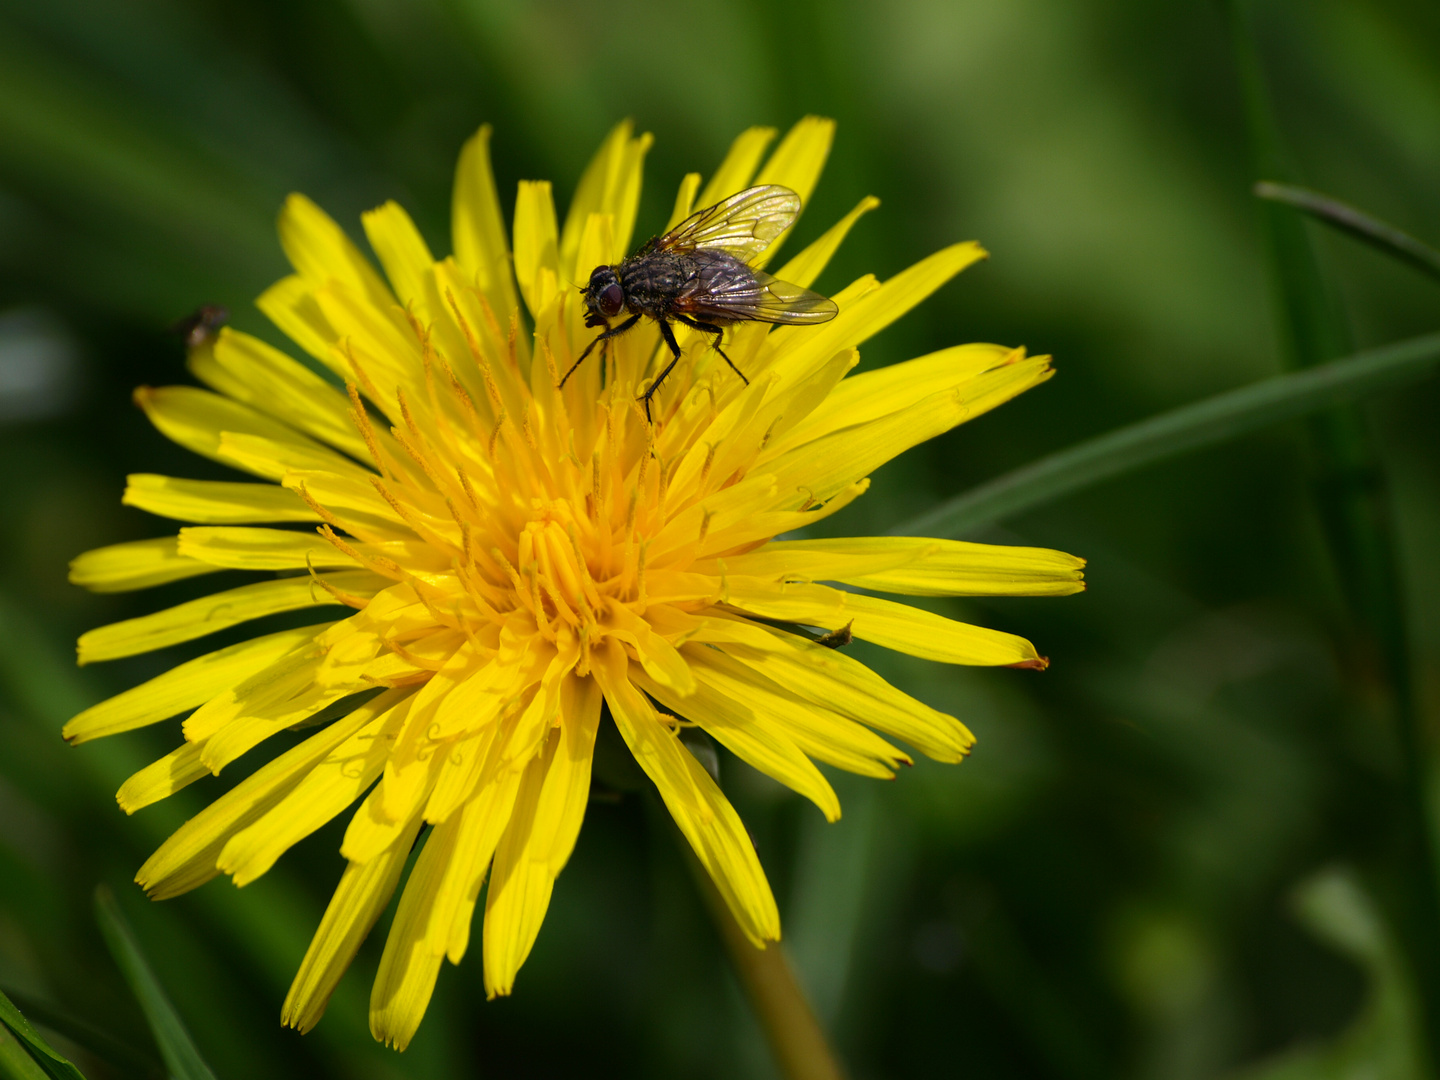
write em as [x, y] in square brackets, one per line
[797, 163]
[184, 687]
[610, 185]
[807, 266]
[408, 967]
[247, 369]
[136, 565]
[359, 898]
[704, 815]
[290, 305]
[214, 502]
[200, 421]
[537, 240]
[244, 548]
[917, 566]
[209, 614]
[477, 229]
[334, 783]
[738, 167]
[505, 562]
[520, 880]
[402, 252]
[482, 822]
[159, 780]
[733, 724]
[321, 252]
[873, 394]
[684, 200]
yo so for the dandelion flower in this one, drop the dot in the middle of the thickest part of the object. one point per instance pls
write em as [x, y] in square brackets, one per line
[518, 560]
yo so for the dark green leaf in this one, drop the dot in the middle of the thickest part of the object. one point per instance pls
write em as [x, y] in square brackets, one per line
[15, 1063]
[1203, 423]
[45, 1060]
[182, 1059]
[100, 1043]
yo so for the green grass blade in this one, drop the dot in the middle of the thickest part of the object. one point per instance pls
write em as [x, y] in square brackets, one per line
[182, 1059]
[1359, 525]
[1203, 423]
[24, 1054]
[1355, 222]
[15, 1063]
[1310, 325]
[129, 1060]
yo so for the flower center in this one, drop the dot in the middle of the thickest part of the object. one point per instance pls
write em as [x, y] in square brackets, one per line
[556, 583]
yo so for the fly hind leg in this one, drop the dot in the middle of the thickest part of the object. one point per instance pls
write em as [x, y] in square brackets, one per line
[719, 332]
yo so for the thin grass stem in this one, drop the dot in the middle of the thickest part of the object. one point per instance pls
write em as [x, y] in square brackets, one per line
[1354, 222]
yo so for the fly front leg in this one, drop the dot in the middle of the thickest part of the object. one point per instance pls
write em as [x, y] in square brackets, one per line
[719, 332]
[669, 336]
[610, 331]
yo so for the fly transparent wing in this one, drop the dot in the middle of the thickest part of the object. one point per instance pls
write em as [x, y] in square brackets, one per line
[743, 225]
[758, 297]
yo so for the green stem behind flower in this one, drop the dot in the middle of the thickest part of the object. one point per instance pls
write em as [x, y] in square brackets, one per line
[766, 976]
[795, 1036]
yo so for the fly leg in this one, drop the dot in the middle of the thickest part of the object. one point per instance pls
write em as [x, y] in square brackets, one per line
[669, 336]
[719, 332]
[610, 331]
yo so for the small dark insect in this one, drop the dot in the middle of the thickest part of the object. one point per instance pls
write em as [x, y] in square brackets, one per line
[201, 325]
[837, 639]
[698, 274]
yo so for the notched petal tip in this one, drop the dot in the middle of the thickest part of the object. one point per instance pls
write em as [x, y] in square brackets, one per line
[290, 1019]
[493, 992]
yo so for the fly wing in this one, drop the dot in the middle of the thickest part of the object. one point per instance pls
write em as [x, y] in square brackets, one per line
[756, 296]
[743, 225]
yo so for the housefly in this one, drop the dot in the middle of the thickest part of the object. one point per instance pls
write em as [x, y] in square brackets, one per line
[698, 274]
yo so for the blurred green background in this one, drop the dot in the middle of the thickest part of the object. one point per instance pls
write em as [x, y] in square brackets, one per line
[1154, 865]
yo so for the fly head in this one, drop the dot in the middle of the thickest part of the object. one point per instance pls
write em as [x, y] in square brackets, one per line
[604, 296]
